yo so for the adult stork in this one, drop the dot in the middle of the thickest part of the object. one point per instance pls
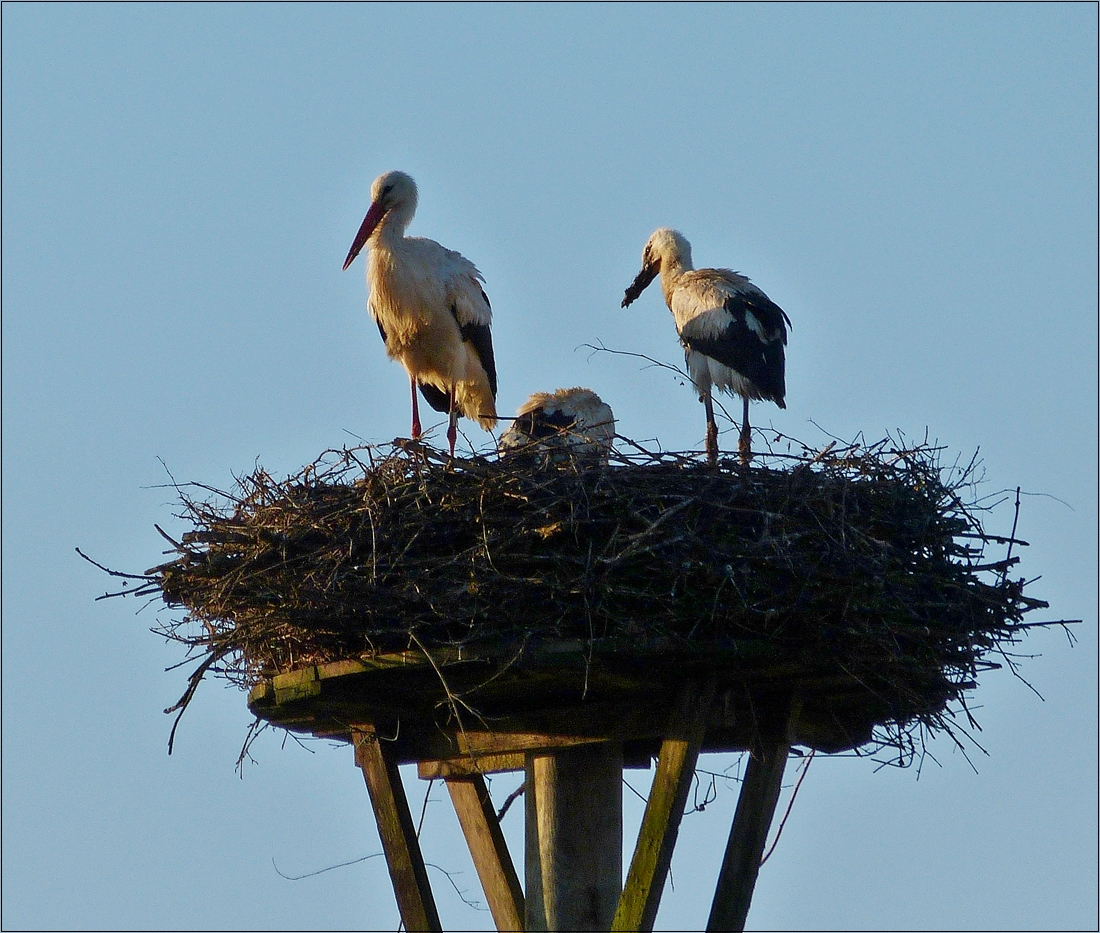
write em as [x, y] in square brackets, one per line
[561, 425]
[430, 309]
[733, 334]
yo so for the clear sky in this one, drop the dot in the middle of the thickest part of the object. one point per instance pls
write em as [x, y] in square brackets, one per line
[915, 185]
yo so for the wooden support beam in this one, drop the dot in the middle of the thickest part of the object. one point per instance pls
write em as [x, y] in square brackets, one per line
[397, 832]
[645, 882]
[636, 755]
[494, 865]
[447, 768]
[755, 809]
[574, 837]
[471, 742]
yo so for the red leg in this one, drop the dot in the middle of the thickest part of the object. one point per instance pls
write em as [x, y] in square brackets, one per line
[452, 427]
[416, 412]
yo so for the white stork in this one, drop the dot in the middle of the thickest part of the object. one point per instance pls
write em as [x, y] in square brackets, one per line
[430, 309]
[562, 424]
[733, 334]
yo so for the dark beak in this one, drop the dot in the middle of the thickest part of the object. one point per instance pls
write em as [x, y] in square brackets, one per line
[643, 278]
[366, 228]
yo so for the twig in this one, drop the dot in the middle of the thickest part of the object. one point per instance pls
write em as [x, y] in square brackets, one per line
[115, 573]
[321, 871]
[783, 822]
[510, 799]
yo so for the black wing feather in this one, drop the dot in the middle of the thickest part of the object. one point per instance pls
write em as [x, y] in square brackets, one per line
[740, 348]
[540, 424]
[482, 339]
[437, 398]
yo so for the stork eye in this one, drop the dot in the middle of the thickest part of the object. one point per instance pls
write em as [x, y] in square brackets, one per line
[386, 190]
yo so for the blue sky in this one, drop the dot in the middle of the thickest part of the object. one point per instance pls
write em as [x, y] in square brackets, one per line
[915, 185]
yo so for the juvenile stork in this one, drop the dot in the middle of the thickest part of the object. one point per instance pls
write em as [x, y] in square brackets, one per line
[560, 425]
[430, 309]
[733, 334]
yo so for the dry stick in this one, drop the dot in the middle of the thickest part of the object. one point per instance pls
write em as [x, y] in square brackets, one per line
[232, 592]
[634, 540]
[115, 573]
[321, 871]
[424, 807]
[1012, 534]
[790, 805]
[188, 694]
[658, 363]
[452, 698]
[510, 799]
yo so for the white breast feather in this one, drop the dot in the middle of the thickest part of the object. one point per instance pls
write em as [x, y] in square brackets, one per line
[413, 285]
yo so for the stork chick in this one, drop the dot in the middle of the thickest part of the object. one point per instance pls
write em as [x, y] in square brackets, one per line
[562, 425]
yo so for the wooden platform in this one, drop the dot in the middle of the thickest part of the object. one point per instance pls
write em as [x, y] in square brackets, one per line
[571, 715]
[441, 708]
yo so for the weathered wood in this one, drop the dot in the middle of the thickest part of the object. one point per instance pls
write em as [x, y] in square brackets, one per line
[574, 834]
[494, 865]
[471, 742]
[637, 755]
[397, 832]
[446, 768]
[619, 693]
[637, 909]
[748, 835]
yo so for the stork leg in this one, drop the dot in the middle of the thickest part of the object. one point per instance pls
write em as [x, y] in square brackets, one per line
[452, 426]
[712, 431]
[416, 411]
[744, 444]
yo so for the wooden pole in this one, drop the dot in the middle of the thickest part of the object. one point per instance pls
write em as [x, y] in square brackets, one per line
[494, 865]
[645, 882]
[755, 809]
[574, 837]
[397, 832]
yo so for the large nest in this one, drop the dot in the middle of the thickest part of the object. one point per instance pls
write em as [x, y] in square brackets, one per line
[864, 561]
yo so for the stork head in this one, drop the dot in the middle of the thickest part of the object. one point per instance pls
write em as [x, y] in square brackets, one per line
[393, 199]
[666, 249]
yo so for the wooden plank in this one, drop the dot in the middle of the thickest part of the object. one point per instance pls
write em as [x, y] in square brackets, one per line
[302, 684]
[443, 768]
[574, 836]
[755, 809]
[499, 743]
[637, 909]
[397, 832]
[494, 865]
[447, 768]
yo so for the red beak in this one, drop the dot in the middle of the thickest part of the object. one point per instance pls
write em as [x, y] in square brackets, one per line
[372, 220]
